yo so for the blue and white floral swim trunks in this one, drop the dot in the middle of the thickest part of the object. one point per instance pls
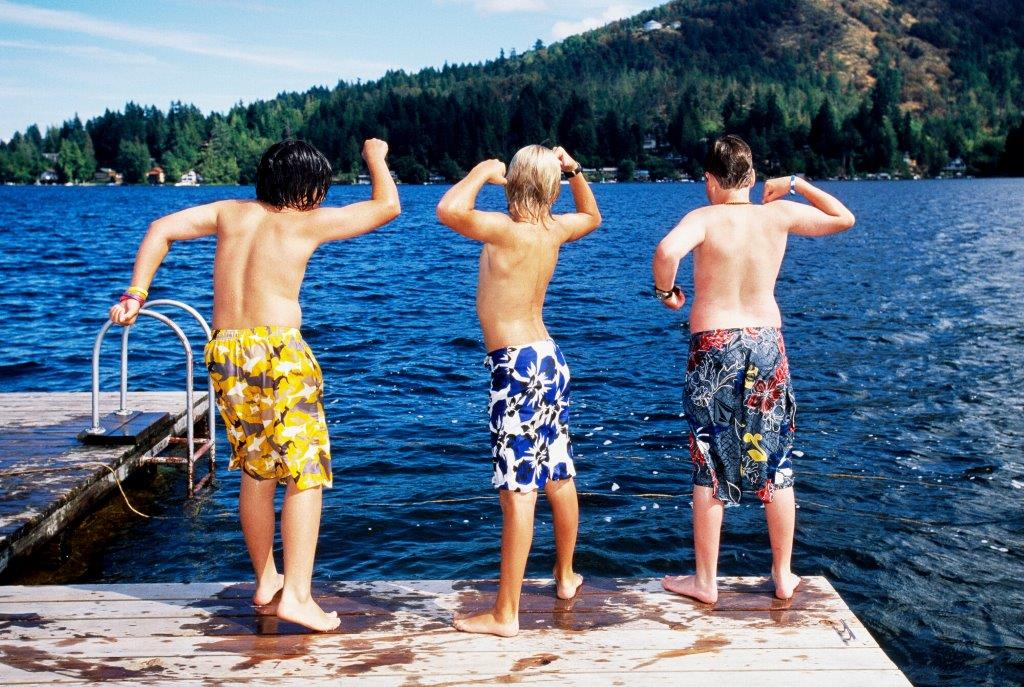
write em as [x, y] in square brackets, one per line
[529, 411]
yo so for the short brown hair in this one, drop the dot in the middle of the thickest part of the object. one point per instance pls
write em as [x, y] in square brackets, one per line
[731, 162]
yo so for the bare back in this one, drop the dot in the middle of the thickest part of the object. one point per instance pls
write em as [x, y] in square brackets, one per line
[259, 266]
[736, 265]
[513, 281]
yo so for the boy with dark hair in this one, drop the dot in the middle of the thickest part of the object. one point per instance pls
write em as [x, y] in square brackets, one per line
[529, 398]
[738, 397]
[268, 384]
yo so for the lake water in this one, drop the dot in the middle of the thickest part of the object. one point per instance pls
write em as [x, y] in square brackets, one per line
[905, 339]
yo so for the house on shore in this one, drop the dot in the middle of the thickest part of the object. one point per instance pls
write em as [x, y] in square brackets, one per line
[156, 175]
[106, 175]
[652, 26]
[48, 178]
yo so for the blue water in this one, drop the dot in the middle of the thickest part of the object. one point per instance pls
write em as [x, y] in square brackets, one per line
[905, 340]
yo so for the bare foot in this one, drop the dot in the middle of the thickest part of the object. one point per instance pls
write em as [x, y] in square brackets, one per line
[567, 589]
[786, 586]
[307, 613]
[267, 595]
[688, 586]
[486, 624]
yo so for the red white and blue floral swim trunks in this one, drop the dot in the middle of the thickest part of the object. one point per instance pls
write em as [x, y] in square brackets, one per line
[741, 412]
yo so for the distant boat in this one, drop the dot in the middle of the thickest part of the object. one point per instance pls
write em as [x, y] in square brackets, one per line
[189, 178]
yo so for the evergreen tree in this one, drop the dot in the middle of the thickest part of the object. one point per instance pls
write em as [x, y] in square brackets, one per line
[133, 161]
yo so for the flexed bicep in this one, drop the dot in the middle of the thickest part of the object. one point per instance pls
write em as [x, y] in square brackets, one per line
[337, 224]
[805, 220]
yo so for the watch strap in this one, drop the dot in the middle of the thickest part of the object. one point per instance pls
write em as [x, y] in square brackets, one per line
[664, 295]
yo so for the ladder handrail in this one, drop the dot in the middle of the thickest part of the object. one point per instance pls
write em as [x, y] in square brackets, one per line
[189, 401]
[211, 417]
[210, 439]
[123, 407]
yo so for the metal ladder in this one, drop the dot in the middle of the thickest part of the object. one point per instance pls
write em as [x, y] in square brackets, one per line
[196, 448]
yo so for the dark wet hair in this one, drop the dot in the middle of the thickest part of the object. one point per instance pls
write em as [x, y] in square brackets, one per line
[293, 174]
[730, 161]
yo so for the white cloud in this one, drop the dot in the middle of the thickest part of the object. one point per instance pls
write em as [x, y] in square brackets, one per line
[504, 6]
[87, 51]
[610, 13]
[195, 43]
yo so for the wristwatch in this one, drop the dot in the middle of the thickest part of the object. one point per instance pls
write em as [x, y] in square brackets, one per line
[570, 174]
[664, 295]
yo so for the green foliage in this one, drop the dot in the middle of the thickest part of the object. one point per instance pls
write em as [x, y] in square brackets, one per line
[1012, 162]
[627, 170]
[133, 161]
[735, 67]
[411, 172]
[450, 169]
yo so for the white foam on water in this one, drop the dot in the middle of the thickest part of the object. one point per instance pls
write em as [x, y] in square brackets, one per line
[643, 507]
[656, 507]
[598, 428]
[615, 487]
[607, 518]
[606, 442]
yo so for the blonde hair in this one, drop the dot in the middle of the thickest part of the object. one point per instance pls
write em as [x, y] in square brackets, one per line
[533, 181]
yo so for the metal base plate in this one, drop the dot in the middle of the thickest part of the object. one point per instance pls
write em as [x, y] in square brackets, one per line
[133, 428]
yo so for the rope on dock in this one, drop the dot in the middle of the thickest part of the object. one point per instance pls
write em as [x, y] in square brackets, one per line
[119, 488]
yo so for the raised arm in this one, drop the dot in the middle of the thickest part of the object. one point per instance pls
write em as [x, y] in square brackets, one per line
[337, 224]
[587, 217]
[827, 216]
[188, 224]
[686, 236]
[457, 208]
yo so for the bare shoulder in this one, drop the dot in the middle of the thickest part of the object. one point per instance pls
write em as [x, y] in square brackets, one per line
[698, 218]
[236, 213]
[783, 214]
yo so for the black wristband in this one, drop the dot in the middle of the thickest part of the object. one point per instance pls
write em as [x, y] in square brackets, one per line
[664, 295]
[570, 174]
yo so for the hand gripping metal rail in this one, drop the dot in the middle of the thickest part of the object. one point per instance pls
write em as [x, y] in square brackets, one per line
[195, 448]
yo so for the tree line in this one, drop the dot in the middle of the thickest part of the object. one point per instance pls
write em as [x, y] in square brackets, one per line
[620, 98]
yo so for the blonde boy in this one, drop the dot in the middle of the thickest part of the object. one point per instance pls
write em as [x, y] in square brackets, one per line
[529, 401]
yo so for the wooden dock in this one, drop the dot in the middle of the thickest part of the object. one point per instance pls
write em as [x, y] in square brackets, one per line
[615, 632]
[48, 479]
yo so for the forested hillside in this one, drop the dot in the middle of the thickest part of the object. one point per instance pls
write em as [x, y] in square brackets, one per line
[827, 87]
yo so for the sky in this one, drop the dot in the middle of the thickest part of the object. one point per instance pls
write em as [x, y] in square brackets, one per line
[58, 59]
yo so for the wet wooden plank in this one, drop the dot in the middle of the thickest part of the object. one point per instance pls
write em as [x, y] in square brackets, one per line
[700, 654]
[795, 678]
[618, 632]
[728, 587]
[384, 602]
[49, 478]
[808, 632]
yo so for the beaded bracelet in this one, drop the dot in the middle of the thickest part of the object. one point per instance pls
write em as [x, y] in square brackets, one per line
[132, 297]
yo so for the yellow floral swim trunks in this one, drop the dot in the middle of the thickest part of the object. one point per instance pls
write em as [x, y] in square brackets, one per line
[270, 393]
